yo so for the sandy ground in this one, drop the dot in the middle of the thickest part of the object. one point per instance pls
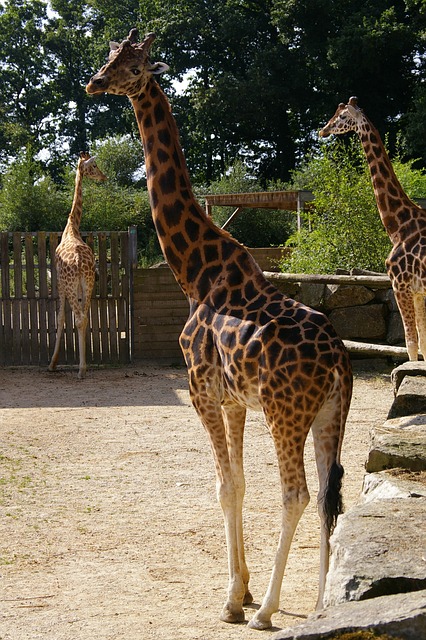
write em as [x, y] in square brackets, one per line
[109, 525]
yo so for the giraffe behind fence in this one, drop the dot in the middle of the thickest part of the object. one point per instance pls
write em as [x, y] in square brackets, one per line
[75, 266]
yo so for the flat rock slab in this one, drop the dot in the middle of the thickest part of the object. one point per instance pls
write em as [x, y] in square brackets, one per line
[402, 616]
[377, 549]
[400, 442]
[394, 483]
[407, 369]
[410, 398]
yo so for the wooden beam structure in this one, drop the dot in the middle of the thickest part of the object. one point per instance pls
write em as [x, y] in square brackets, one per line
[283, 200]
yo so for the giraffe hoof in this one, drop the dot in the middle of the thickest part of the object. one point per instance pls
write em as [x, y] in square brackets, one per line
[232, 616]
[248, 598]
[257, 623]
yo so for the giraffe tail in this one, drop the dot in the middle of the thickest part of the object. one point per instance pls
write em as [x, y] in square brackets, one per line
[82, 293]
[333, 502]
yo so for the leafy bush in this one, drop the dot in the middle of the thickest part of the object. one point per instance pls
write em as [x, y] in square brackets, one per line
[343, 229]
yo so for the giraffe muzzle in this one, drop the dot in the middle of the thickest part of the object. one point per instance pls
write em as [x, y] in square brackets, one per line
[97, 84]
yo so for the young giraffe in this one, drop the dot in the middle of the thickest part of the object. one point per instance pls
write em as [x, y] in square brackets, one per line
[75, 266]
[246, 345]
[404, 221]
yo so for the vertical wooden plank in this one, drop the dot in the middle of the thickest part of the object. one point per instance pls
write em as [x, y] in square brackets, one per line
[115, 265]
[42, 297]
[42, 264]
[103, 325]
[29, 266]
[8, 336]
[25, 333]
[123, 331]
[53, 243]
[112, 325]
[17, 265]
[2, 337]
[34, 333]
[42, 321]
[127, 240]
[5, 266]
[94, 316]
[16, 331]
[103, 297]
[103, 266]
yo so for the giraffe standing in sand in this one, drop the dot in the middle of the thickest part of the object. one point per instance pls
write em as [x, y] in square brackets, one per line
[75, 266]
[246, 345]
[403, 219]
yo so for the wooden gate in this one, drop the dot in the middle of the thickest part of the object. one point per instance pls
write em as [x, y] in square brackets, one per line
[29, 299]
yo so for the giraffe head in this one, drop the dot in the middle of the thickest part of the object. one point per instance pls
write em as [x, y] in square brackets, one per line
[87, 167]
[128, 68]
[348, 117]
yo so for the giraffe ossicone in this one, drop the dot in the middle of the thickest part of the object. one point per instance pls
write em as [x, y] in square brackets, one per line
[403, 220]
[75, 266]
[246, 345]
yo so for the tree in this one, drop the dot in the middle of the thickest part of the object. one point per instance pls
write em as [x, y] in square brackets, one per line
[25, 101]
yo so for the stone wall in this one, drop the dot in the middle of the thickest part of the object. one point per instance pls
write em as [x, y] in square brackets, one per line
[361, 307]
[377, 576]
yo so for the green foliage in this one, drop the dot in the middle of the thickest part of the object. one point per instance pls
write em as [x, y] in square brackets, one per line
[252, 227]
[344, 229]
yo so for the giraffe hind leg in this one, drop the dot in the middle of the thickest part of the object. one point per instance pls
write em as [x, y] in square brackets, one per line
[420, 311]
[59, 330]
[326, 431]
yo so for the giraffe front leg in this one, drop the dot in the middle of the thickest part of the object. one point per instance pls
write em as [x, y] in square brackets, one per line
[420, 311]
[229, 488]
[405, 302]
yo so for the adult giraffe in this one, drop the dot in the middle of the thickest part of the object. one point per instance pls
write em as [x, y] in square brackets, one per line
[75, 266]
[403, 219]
[246, 345]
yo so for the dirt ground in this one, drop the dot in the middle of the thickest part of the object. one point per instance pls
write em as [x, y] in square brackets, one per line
[109, 524]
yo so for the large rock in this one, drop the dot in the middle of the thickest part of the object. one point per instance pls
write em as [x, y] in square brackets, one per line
[410, 398]
[337, 296]
[312, 294]
[395, 334]
[367, 322]
[400, 442]
[394, 483]
[400, 616]
[377, 549]
[407, 369]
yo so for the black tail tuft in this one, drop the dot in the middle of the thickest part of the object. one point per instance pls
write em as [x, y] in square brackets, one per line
[333, 504]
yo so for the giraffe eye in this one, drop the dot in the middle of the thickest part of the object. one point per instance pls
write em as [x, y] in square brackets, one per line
[135, 72]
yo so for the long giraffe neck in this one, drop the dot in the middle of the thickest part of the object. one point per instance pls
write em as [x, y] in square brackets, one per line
[74, 218]
[195, 249]
[390, 196]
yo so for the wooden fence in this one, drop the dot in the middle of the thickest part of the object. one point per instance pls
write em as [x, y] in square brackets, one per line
[29, 299]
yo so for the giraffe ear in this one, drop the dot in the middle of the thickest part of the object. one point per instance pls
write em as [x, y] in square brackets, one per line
[354, 112]
[158, 67]
[113, 46]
